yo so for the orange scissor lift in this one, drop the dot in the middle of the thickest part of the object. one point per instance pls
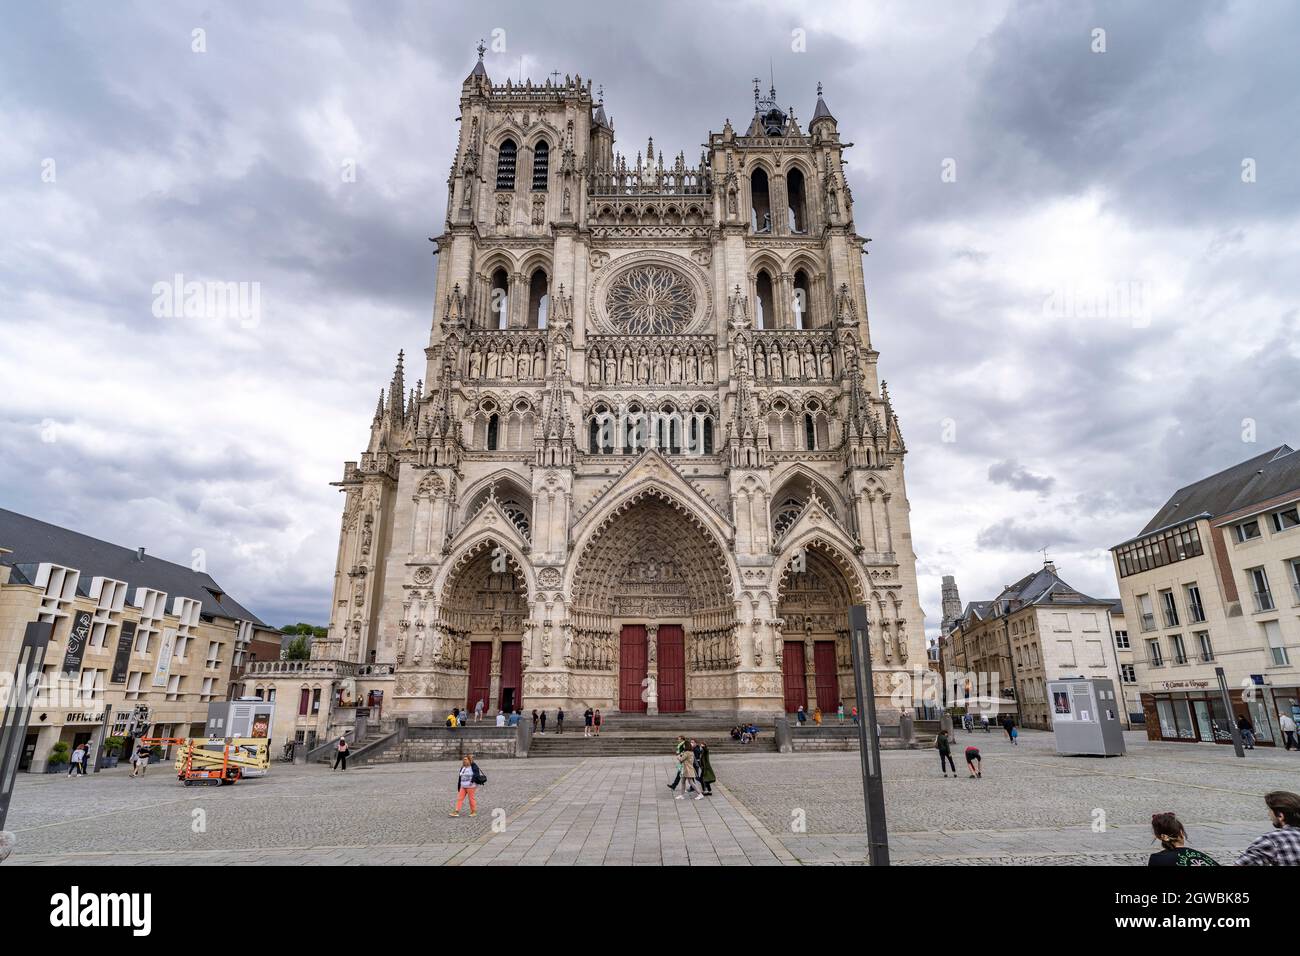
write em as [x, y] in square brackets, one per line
[199, 764]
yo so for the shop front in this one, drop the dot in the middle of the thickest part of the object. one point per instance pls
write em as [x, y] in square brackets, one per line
[1192, 711]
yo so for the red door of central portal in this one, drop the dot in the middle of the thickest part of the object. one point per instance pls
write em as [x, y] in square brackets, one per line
[512, 679]
[672, 669]
[828, 681]
[631, 668]
[480, 675]
[794, 673]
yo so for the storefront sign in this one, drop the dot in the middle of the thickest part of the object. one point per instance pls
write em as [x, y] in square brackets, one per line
[77, 640]
[164, 657]
[123, 657]
[1183, 684]
[84, 718]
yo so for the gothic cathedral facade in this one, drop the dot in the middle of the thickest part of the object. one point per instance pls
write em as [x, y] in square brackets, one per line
[650, 464]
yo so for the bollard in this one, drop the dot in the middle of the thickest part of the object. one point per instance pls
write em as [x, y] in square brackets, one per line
[906, 729]
[784, 743]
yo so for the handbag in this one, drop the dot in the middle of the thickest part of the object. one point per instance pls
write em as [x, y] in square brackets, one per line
[480, 777]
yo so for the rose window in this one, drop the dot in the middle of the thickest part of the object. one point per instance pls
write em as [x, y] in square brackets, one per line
[651, 300]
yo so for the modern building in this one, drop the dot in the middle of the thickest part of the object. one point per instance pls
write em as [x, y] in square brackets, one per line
[140, 646]
[1212, 581]
[1033, 631]
[650, 463]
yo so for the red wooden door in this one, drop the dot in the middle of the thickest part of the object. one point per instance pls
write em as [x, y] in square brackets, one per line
[480, 675]
[828, 682]
[631, 668]
[512, 679]
[672, 669]
[794, 672]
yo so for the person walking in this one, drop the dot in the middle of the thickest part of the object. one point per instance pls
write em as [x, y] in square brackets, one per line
[839, 712]
[1015, 735]
[135, 760]
[707, 777]
[855, 714]
[77, 762]
[1247, 730]
[143, 755]
[534, 720]
[973, 762]
[1281, 847]
[800, 715]
[677, 755]
[586, 722]
[686, 761]
[595, 721]
[1007, 725]
[1287, 723]
[468, 779]
[478, 710]
[341, 754]
[559, 721]
[817, 716]
[1169, 831]
[944, 746]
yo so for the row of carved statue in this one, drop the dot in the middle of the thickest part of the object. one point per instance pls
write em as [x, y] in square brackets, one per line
[617, 364]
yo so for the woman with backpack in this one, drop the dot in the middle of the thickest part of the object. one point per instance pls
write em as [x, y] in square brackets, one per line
[468, 779]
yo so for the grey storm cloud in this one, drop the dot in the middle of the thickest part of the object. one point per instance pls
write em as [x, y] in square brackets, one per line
[1015, 475]
[1077, 173]
[1010, 535]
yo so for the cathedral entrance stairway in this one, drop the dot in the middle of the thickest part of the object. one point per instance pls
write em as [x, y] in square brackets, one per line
[643, 735]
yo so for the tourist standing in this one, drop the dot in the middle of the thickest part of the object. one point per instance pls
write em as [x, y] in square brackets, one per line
[801, 716]
[945, 754]
[559, 721]
[595, 721]
[468, 777]
[534, 720]
[77, 762]
[707, 777]
[543, 721]
[1281, 847]
[1287, 723]
[586, 722]
[1247, 730]
[839, 712]
[341, 754]
[1169, 831]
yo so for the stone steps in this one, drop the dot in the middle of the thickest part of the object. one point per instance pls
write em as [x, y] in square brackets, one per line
[640, 745]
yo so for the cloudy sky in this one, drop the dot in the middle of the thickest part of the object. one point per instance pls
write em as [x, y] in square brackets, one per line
[1082, 281]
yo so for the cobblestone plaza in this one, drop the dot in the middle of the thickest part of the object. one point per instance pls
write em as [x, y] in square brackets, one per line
[1031, 806]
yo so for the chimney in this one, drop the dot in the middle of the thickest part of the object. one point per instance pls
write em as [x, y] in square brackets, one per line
[1050, 566]
[139, 554]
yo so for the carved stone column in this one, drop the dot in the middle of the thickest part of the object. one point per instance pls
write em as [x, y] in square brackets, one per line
[652, 669]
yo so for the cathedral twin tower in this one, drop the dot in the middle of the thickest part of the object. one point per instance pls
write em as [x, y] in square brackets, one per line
[650, 465]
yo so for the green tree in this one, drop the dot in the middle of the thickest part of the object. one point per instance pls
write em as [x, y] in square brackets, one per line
[298, 649]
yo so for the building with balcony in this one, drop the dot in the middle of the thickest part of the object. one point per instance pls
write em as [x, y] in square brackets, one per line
[1212, 581]
[140, 646]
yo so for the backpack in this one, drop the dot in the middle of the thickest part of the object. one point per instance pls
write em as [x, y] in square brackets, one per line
[480, 777]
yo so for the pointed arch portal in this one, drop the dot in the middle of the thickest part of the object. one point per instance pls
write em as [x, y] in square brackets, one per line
[661, 582]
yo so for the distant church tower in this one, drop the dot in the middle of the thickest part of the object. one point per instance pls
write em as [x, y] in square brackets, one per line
[951, 604]
[650, 464]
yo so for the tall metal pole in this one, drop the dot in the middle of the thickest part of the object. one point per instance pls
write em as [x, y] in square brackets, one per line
[1227, 707]
[873, 784]
[16, 707]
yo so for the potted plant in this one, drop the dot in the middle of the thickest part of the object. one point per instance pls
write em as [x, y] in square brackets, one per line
[112, 751]
[58, 758]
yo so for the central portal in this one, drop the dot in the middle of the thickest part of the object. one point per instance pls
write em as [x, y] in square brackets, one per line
[632, 669]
